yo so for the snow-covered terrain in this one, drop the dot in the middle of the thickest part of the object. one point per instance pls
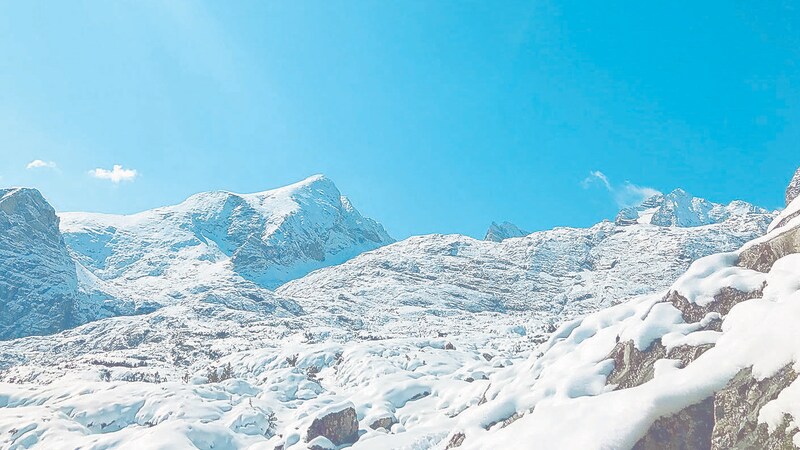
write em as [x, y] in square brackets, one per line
[434, 342]
[219, 246]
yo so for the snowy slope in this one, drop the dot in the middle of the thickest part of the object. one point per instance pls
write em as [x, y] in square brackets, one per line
[525, 283]
[220, 244]
[712, 363]
[38, 282]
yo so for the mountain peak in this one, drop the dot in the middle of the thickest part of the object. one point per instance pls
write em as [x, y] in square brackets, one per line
[681, 209]
[37, 276]
[793, 190]
[505, 230]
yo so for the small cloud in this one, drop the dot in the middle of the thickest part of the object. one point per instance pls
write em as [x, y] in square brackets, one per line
[39, 164]
[117, 174]
[596, 176]
[628, 194]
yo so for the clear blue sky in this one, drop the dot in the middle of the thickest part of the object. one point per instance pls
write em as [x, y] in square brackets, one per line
[433, 116]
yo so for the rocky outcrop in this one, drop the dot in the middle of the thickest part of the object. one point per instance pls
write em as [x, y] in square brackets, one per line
[339, 425]
[38, 281]
[689, 429]
[793, 190]
[725, 299]
[763, 255]
[736, 410]
[726, 420]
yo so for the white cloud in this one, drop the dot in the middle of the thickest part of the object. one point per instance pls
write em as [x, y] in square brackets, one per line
[39, 164]
[596, 176]
[117, 174]
[628, 194]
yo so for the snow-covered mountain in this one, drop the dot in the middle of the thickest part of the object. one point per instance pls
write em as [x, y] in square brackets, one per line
[543, 278]
[434, 342]
[498, 232]
[220, 245]
[38, 282]
[680, 209]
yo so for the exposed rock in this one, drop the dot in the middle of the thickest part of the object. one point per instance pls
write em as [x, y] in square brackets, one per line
[383, 422]
[722, 303]
[456, 440]
[762, 256]
[689, 429]
[449, 346]
[727, 420]
[633, 367]
[793, 190]
[340, 426]
[785, 220]
[736, 410]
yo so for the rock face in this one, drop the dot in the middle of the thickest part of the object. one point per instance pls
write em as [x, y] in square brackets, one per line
[339, 425]
[690, 429]
[38, 281]
[680, 209]
[762, 256]
[499, 232]
[793, 190]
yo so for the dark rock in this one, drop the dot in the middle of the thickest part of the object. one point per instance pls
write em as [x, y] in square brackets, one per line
[688, 429]
[449, 346]
[456, 440]
[736, 409]
[762, 256]
[633, 367]
[722, 303]
[384, 422]
[340, 427]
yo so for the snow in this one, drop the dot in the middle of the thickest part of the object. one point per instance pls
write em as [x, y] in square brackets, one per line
[531, 322]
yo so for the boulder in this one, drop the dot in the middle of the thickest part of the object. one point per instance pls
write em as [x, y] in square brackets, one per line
[338, 424]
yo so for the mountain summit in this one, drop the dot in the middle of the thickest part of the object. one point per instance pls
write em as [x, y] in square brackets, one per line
[215, 238]
[499, 232]
[681, 209]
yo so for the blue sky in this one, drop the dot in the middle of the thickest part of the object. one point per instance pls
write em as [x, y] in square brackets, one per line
[432, 116]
